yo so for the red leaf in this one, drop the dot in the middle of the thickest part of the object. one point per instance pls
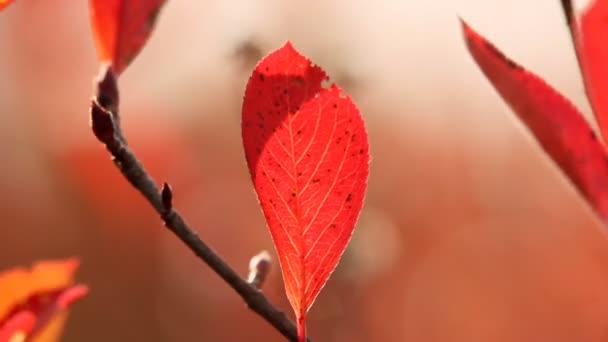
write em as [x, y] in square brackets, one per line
[17, 327]
[557, 125]
[121, 28]
[33, 301]
[592, 47]
[307, 152]
[31, 316]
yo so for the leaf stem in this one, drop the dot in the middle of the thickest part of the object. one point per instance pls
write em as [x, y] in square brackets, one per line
[301, 329]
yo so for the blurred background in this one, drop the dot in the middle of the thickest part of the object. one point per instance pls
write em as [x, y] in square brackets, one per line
[469, 232]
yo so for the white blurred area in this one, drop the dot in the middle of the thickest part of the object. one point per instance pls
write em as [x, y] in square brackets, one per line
[476, 234]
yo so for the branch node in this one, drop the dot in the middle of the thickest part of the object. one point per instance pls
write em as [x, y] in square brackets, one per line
[259, 267]
[166, 195]
[107, 89]
[102, 123]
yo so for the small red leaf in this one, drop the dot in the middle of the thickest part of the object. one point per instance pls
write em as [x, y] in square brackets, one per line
[33, 302]
[592, 46]
[307, 152]
[557, 125]
[121, 28]
[31, 316]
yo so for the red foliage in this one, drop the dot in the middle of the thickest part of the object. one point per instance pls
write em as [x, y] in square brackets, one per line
[558, 126]
[308, 155]
[32, 302]
[121, 28]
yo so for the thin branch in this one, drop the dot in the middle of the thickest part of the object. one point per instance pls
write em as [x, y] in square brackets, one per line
[105, 123]
[573, 28]
[568, 10]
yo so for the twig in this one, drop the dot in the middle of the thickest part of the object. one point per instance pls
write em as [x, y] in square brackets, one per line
[105, 123]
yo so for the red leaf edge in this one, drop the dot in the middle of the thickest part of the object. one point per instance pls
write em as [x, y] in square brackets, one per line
[559, 128]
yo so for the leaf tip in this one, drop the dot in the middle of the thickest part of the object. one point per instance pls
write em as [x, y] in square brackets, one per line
[289, 45]
[467, 31]
[72, 295]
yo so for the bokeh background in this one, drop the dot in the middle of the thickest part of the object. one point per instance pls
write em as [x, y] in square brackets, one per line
[469, 232]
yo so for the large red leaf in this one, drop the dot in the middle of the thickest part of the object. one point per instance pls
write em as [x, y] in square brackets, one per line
[307, 152]
[121, 28]
[557, 125]
[592, 45]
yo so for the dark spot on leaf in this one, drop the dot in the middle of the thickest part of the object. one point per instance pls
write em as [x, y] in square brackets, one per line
[298, 81]
[261, 125]
[346, 132]
[293, 194]
[332, 226]
[361, 151]
[316, 180]
[299, 132]
[338, 140]
[262, 77]
[274, 180]
[349, 197]
[335, 105]
[299, 174]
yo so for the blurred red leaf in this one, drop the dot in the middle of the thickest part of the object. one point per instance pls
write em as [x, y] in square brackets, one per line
[592, 49]
[33, 302]
[4, 3]
[557, 125]
[121, 28]
[308, 155]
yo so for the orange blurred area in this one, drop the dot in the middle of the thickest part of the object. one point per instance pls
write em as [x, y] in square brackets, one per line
[468, 233]
[33, 301]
